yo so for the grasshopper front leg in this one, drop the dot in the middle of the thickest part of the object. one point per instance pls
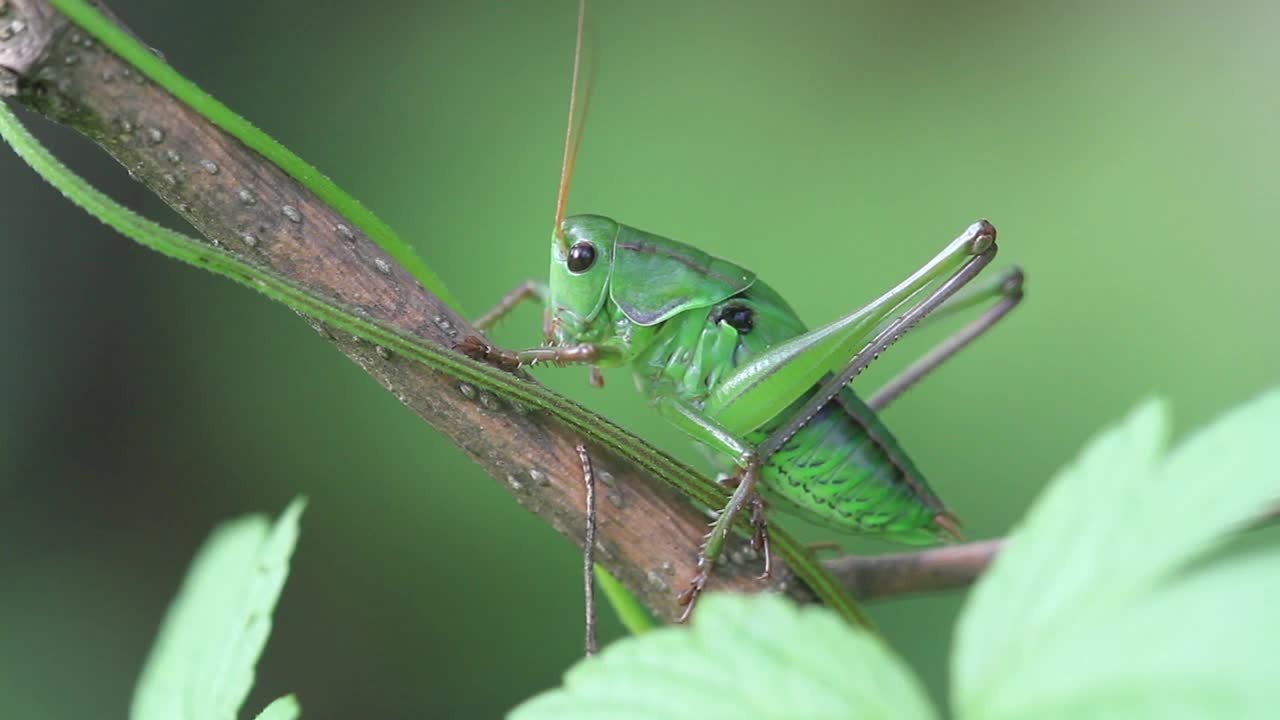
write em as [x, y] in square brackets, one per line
[584, 354]
[479, 349]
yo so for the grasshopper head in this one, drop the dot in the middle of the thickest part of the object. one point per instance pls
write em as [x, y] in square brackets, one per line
[581, 265]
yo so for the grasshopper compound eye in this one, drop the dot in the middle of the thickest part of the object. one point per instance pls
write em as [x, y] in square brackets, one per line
[581, 257]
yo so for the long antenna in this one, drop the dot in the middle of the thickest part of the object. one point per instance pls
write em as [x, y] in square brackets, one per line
[573, 134]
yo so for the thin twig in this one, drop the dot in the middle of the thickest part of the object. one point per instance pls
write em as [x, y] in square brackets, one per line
[871, 577]
[954, 567]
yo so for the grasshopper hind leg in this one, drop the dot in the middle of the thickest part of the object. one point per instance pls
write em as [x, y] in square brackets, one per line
[1007, 287]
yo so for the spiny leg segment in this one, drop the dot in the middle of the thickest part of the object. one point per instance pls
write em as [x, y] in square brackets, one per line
[477, 348]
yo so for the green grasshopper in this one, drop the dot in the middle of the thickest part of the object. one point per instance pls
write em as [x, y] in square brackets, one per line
[722, 356]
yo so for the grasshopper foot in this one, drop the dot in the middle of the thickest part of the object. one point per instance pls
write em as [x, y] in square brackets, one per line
[689, 596]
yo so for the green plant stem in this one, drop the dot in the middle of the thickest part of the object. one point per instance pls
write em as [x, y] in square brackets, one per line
[126, 46]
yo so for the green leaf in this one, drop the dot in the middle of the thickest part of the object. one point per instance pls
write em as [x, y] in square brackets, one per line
[282, 708]
[202, 664]
[1202, 646]
[744, 657]
[1097, 602]
[1049, 562]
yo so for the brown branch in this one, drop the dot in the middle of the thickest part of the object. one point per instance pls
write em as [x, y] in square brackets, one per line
[648, 534]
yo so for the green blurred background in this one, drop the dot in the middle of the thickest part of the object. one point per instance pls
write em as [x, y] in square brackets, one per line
[1126, 151]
